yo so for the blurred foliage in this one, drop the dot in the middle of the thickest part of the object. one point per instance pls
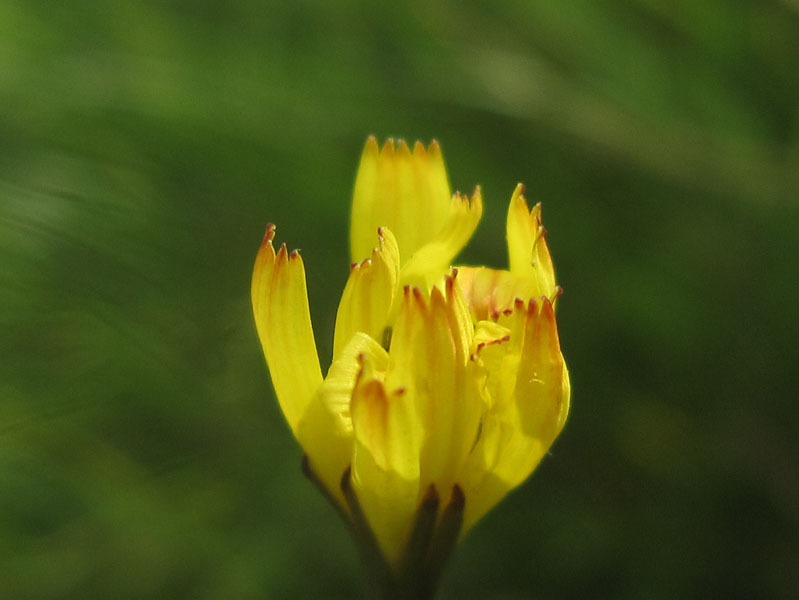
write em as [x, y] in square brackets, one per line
[145, 145]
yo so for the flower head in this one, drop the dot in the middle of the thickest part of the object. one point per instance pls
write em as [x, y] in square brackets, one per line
[447, 384]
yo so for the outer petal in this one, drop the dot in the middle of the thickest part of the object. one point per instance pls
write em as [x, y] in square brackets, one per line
[435, 258]
[542, 385]
[385, 468]
[527, 248]
[283, 320]
[528, 382]
[326, 431]
[369, 294]
[407, 192]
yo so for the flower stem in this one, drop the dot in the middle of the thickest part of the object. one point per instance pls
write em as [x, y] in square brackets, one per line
[430, 543]
[428, 551]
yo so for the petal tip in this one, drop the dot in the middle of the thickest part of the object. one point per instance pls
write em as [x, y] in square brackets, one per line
[282, 253]
[371, 148]
[388, 148]
[269, 235]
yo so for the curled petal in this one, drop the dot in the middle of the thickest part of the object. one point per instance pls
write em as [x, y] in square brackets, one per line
[283, 321]
[369, 294]
[488, 333]
[394, 188]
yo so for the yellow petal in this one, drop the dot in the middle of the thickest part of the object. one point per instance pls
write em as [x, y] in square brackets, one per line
[432, 260]
[542, 385]
[428, 359]
[326, 431]
[385, 468]
[406, 192]
[527, 248]
[500, 365]
[283, 321]
[529, 388]
[369, 294]
[460, 321]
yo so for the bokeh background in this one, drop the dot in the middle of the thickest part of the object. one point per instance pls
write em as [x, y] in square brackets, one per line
[145, 145]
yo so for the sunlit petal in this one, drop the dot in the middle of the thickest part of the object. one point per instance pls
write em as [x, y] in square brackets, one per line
[385, 468]
[283, 320]
[369, 294]
[429, 359]
[529, 386]
[406, 191]
[435, 258]
[527, 247]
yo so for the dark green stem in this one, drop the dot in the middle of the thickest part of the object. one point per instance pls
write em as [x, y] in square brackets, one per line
[430, 544]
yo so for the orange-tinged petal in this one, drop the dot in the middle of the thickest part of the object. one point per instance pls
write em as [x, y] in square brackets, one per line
[283, 321]
[490, 292]
[369, 294]
[408, 192]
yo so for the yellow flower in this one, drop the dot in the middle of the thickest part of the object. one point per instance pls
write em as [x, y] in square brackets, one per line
[447, 385]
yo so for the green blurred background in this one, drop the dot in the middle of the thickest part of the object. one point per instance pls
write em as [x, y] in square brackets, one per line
[145, 145]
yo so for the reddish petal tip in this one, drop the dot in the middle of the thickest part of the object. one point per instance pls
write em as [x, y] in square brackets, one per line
[269, 235]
